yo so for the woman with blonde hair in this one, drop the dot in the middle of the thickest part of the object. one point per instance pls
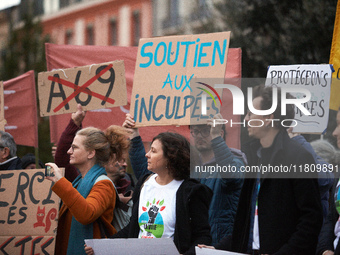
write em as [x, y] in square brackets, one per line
[88, 202]
[166, 202]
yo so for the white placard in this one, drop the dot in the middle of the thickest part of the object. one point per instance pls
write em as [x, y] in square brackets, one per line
[133, 246]
[317, 80]
[206, 251]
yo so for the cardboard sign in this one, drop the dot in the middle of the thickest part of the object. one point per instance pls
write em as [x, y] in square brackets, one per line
[58, 56]
[152, 246]
[314, 78]
[28, 212]
[94, 87]
[2, 107]
[165, 68]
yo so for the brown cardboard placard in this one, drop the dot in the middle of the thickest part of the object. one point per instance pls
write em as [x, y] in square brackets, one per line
[163, 92]
[94, 87]
[28, 212]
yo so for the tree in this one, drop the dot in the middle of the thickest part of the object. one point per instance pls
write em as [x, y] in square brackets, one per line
[25, 51]
[274, 32]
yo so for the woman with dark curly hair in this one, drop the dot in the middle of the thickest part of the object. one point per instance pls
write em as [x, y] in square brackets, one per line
[167, 203]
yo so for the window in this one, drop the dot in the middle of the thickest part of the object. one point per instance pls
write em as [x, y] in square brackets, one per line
[64, 3]
[89, 35]
[136, 28]
[172, 19]
[69, 37]
[200, 11]
[113, 33]
[38, 7]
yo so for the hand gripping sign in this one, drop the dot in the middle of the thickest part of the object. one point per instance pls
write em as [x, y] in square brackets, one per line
[28, 212]
[94, 87]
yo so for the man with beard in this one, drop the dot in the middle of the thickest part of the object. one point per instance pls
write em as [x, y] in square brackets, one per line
[278, 213]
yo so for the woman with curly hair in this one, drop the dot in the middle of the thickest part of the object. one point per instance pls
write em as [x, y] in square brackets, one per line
[167, 203]
[88, 202]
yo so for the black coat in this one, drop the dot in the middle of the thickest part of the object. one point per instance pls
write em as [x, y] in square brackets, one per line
[289, 210]
[191, 227]
[11, 164]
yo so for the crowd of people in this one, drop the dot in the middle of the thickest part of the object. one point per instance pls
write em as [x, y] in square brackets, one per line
[248, 213]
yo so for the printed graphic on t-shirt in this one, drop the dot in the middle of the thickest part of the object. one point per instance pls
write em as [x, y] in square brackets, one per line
[151, 221]
[337, 197]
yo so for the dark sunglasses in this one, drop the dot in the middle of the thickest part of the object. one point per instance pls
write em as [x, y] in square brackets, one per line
[204, 132]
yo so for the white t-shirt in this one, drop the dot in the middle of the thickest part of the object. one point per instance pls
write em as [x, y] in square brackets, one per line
[256, 235]
[157, 209]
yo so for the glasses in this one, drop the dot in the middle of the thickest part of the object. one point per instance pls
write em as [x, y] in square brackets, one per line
[204, 132]
[73, 147]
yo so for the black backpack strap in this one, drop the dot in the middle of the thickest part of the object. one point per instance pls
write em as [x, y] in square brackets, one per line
[103, 232]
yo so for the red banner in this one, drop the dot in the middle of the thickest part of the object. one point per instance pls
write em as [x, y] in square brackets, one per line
[21, 109]
[66, 56]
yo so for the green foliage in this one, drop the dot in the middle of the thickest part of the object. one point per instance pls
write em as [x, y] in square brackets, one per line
[25, 51]
[275, 32]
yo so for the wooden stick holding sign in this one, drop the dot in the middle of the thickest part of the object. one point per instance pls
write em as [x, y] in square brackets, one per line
[94, 87]
[2, 107]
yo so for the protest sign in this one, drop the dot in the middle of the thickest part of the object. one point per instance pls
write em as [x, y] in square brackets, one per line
[141, 246]
[207, 251]
[334, 59]
[2, 107]
[59, 56]
[28, 212]
[94, 87]
[163, 91]
[315, 79]
[21, 109]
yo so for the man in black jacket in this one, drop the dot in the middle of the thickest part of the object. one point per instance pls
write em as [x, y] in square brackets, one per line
[275, 215]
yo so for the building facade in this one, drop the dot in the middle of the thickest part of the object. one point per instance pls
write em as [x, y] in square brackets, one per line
[97, 22]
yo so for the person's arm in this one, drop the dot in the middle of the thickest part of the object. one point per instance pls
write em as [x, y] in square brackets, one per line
[137, 157]
[62, 159]
[223, 155]
[89, 209]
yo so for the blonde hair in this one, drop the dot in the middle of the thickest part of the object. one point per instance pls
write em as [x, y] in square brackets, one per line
[113, 142]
